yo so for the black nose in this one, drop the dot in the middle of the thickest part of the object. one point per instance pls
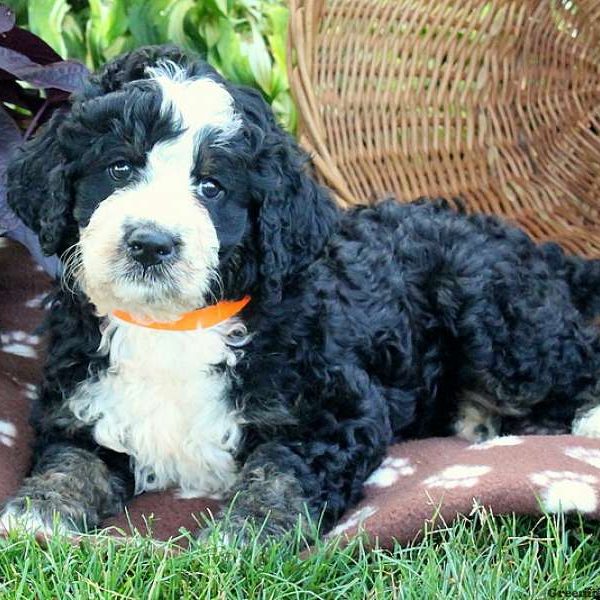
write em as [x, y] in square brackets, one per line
[150, 246]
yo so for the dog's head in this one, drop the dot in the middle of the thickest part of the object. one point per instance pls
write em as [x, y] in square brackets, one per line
[165, 186]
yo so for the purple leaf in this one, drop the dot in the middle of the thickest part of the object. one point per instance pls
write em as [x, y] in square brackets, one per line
[7, 18]
[30, 45]
[13, 61]
[66, 75]
[10, 138]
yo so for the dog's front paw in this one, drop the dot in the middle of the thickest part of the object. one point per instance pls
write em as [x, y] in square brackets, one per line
[37, 517]
[237, 531]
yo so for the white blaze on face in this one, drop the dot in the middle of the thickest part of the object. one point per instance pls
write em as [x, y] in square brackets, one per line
[164, 197]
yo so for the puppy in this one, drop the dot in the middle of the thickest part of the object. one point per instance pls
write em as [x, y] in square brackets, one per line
[223, 329]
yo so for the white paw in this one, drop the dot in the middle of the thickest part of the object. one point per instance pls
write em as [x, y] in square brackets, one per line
[29, 521]
[563, 491]
[589, 424]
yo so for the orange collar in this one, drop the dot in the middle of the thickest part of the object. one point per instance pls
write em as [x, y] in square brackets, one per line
[203, 318]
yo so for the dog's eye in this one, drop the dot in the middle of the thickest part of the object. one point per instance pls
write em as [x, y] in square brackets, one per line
[209, 189]
[121, 171]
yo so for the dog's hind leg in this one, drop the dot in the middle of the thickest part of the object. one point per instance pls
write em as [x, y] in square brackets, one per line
[476, 419]
[529, 349]
[587, 418]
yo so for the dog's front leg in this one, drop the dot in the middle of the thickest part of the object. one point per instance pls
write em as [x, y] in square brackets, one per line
[285, 485]
[70, 490]
[269, 497]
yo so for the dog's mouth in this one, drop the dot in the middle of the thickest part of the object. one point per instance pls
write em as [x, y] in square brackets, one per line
[151, 275]
[160, 291]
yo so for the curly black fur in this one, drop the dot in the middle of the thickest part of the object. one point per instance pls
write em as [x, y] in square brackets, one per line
[366, 324]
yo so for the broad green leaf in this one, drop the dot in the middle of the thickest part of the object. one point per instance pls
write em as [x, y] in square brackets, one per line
[159, 21]
[222, 6]
[123, 43]
[108, 20]
[46, 18]
[143, 16]
[279, 81]
[278, 24]
[232, 62]
[211, 31]
[73, 38]
[215, 7]
[285, 111]
[260, 60]
[175, 19]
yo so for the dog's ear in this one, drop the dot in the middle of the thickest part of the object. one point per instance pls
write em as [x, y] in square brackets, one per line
[38, 188]
[294, 213]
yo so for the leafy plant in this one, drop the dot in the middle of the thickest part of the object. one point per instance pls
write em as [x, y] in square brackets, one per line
[244, 39]
[34, 81]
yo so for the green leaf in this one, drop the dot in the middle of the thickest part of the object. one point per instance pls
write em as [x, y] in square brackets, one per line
[232, 62]
[159, 21]
[222, 6]
[277, 17]
[260, 61]
[123, 43]
[285, 111]
[175, 21]
[107, 21]
[74, 38]
[279, 81]
[211, 31]
[46, 18]
[142, 15]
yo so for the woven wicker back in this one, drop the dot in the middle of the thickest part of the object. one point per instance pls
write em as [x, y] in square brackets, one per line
[497, 102]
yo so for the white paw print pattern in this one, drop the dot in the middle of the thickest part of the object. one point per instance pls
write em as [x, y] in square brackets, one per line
[563, 491]
[8, 433]
[591, 456]
[36, 301]
[19, 343]
[30, 391]
[457, 476]
[356, 518]
[389, 472]
[506, 440]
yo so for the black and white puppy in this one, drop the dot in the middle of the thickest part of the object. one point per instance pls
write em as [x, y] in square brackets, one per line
[167, 189]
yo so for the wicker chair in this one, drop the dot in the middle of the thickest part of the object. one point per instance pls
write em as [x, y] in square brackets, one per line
[497, 102]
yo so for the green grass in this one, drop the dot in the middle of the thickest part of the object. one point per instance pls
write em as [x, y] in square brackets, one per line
[485, 557]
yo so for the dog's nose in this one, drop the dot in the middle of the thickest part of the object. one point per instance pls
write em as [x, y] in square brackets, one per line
[150, 246]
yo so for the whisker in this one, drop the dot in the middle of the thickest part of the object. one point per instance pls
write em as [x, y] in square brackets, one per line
[72, 269]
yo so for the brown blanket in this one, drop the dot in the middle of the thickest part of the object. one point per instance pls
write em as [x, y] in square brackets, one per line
[418, 479]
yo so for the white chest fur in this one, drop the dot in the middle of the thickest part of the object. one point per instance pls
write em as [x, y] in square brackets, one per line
[163, 402]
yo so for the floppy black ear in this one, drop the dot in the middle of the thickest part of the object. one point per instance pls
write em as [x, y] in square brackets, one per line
[39, 188]
[295, 214]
